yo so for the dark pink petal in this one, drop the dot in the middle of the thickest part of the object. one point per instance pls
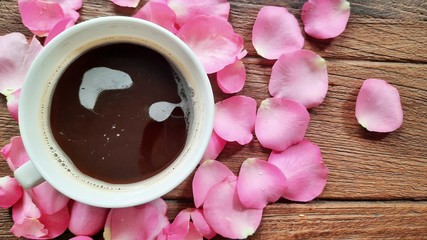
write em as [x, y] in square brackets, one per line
[47, 199]
[193, 233]
[126, 3]
[58, 28]
[207, 175]
[304, 169]
[300, 76]
[235, 119]
[213, 40]
[13, 103]
[86, 220]
[56, 223]
[10, 192]
[225, 213]
[231, 79]
[201, 225]
[15, 153]
[281, 123]
[325, 19]
[215, 147]
[158, 13]
[81, 238]
[259, 183]
[275, 32]
[378, 106]
[188, 9]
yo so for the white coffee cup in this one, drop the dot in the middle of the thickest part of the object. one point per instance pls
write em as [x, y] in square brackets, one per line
[45, 165]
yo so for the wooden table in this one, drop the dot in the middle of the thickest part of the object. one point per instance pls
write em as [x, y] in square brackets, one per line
[377, 186]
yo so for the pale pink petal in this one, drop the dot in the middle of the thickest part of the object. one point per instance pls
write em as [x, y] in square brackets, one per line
[325, 19]
[188, 9]
[280, 123]
[231, 79]
[213, 40]
[81, 238]
[259, 183]
[40, 16]
[275, 32]
[13, 103]
[48, 199]
[160, 205]
[242, 54]
[180, 226]
[304, 169]
[215, 147]
[378, 106]
[158, 13]
[300, 76]
[126, 3]
[58, 28]
[15, 153]
[86, 220]
[10, 192]
[69, 4]
[235, 119]
[207, 175]
[225, 213]
[201, 225]
[15, 59]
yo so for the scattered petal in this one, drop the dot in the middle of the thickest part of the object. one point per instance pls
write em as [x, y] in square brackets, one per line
[303, 166]
[193, 233]
[81, 238]
[10, 192]
[186, 10]
[201, 225]
[325, 19]
[15, 153]
[48, 199]
[13, 103]
[58, 28]
[235, 119]
[281, 123]
[126, 3]
[300, 76]
[275, 32]
[86, 220]
[215, 147]
[180, 226]
[158, 13]
[225, 213]
[378, 106]
[259, 183]
[213, 40]
[231, 79]
[207, 175]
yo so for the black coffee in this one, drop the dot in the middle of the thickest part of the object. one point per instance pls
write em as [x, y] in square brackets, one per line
[114, 139]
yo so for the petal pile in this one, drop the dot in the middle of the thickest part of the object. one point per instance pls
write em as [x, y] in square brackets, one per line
[231, 79]
[281, 123]
[378, 106]
[275, 32]
[158, 13]
[300, 76]
[325, 19]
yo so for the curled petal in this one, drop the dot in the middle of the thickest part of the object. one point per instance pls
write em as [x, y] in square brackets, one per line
[158, 13]
[225, 213]
[300, 76]
[275, 32]
[213, 40]
[259, 183]
[281, 123]
[13, 103]
[235, 119]
[10, 192]
[126, 3]
[207, 175]
[378, 106]
[325, 19]
[58, 28]
[231, 79]
[86, 220]
[304, 169]
[15, 153]
[215, 147]
[201, 225]
[47, 199]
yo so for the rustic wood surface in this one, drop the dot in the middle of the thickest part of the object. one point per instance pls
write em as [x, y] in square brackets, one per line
[377, 186]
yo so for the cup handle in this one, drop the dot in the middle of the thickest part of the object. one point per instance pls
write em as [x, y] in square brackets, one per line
[28, 176]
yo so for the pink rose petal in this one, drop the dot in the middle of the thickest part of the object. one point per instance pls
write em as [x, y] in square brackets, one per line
[158, 13]
[47, 199]
[58, 28]
[207, 175]
[15, 153]
[81, 238]
[231, 79]
[213, 40]
[86, 220]
[180, 226]
[378, 106]
[13, 103]
[193, 233]
[281, 123]
[126, 3]
[275, 32]
[10, 192]
[215, 147]
[325, 19]
[300, 76]
[201, 225]
[188, 9]
[235, 119]
[304, 169]
[225, 213]
[259, 183]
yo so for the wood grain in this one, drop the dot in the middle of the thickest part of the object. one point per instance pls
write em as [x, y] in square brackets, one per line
[377, 186]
